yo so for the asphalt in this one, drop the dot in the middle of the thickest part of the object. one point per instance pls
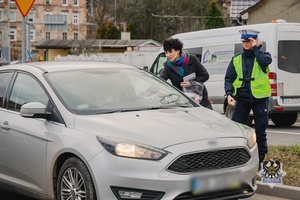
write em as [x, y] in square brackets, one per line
[282, 191]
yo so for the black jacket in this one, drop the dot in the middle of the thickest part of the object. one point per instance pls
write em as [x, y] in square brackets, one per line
[194, 66]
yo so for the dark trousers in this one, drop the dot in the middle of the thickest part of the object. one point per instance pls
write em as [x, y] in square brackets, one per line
[260, 114]
[205, 101]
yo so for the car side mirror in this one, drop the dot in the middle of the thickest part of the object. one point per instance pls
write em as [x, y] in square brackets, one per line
[34, 110]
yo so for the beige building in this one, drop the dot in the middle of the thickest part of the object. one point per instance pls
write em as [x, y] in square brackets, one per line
[265, 11]
[76, 26]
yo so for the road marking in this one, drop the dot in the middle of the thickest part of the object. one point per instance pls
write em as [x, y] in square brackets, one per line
[284, 132]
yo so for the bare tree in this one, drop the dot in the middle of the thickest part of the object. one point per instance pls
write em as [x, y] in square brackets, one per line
[100, 11]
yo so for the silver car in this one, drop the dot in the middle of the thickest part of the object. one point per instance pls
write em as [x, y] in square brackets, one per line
[97, 130]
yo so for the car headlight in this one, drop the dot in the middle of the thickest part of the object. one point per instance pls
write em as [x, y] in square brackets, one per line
[251, 136]
[131, 150]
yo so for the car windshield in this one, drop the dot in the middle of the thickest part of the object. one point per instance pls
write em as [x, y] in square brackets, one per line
[96, 91]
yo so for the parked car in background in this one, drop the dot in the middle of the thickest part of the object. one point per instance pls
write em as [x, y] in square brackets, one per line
[99, 130]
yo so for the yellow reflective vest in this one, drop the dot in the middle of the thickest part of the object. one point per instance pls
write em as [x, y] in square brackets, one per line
[259, 84]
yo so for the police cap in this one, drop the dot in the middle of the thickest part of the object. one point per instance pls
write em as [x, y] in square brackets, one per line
[246, 34]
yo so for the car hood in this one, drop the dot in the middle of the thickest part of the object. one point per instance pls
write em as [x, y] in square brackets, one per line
[161, 128]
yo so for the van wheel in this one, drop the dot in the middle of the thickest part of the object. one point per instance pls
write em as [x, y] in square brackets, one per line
[229, 113]
[284, 119]
[74, 181]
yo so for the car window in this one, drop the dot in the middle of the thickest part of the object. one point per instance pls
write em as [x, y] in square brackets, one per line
[4, 81]
[93, 91]
[289, 56]
[26, 89]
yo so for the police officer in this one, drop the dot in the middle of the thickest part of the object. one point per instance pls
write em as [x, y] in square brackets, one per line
[247, 84]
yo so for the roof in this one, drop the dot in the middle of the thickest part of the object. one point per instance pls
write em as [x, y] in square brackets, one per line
[253, 7]
[53, 66]
[237, 6]
[67, 44]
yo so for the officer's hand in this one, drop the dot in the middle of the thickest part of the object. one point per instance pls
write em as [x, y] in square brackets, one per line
[253, 42]
[230, 101]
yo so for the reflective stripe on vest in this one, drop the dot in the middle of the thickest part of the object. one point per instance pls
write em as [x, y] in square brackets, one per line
[260, 86]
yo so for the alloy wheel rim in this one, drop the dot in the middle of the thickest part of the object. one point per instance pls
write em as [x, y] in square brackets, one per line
[73, 185]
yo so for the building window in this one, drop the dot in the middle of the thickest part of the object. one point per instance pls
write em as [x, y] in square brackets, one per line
[0, 53]
[11, 1]
[47, 35]
[32, 35]
[65, 2]
[65, 36]
[75, 36]
[48, 13]
[30, 16]
[0, 37]
[75, 18]
[75, 2]
[67, 17]
[12, 16]
[48, 1]
[13, 35]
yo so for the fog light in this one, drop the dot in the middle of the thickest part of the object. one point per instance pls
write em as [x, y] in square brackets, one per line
[130, 194]
[123, 193]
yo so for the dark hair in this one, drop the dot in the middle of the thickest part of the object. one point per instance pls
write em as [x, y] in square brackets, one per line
[172, 43]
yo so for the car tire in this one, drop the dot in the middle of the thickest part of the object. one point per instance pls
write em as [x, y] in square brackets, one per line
[66, 183]
[284, 119]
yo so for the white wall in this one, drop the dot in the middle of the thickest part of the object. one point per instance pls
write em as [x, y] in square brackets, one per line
[138, 59]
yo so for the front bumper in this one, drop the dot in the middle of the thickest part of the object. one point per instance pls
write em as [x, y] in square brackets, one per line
[110, 172]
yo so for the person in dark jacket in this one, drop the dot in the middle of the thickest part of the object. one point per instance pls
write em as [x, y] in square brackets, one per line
[247, 84]
[180, 64]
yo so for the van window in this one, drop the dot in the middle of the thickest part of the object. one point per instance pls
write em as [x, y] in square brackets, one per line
[289, 56]
[196, 51]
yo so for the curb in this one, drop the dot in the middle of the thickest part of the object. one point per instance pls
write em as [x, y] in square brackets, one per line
[282, 191]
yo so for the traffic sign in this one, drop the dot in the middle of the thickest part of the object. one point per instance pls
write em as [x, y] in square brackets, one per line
[24, 6]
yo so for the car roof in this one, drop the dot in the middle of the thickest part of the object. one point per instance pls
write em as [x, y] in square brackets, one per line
[53, 66]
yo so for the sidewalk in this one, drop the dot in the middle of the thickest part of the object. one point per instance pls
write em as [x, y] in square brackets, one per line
[282, 191]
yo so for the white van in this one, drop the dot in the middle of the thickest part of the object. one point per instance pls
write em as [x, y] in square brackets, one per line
[216, 47]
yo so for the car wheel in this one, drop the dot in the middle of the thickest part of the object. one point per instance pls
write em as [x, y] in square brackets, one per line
[229, 113]
[74, 181]
[285, 119]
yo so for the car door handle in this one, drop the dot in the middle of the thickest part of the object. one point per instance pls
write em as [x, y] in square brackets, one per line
[5, 125]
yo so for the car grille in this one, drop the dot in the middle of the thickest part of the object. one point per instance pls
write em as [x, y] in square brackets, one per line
[211, 160]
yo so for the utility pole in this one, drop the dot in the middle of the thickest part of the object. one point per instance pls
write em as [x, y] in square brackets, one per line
[24, 7]
[115, 12]
[23, 39]
[8, 32]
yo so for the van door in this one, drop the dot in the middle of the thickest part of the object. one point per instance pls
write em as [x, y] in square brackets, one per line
[287, 76]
